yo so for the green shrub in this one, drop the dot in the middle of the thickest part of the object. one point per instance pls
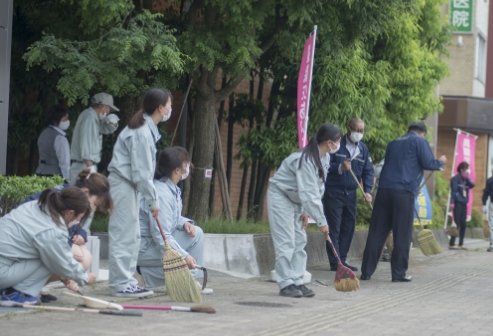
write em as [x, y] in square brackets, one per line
[476, 219]
[363, 214]
[99, 222]
[438, 218]
[15, 189]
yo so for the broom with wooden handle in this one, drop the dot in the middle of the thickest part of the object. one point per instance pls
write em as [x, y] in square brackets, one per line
[196, 309]
[85, 310]
[180, 284]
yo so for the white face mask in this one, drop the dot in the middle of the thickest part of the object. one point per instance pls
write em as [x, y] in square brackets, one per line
[64, 125]
[184, 176]
[166, 117]
[332, 151]
[356, 137]
[102, 116]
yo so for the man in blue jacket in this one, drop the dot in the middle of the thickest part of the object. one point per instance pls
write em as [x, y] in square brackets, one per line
[402, 173]
[341, 190]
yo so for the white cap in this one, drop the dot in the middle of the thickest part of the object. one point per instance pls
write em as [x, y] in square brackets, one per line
[105, 99]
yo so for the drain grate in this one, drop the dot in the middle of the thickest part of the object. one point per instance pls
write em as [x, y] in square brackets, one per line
[264, 304]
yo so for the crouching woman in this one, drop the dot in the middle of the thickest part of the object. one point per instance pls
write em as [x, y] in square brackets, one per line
[183, 236]
[33, 245]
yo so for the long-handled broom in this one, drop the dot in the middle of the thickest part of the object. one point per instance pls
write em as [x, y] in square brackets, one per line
[180, 283]
[196, 309]
[426, 239]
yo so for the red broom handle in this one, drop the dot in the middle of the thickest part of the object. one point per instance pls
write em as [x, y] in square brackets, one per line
[160, 227]
[333, 248]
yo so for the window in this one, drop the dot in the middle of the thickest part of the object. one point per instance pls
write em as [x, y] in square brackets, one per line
[480, 67]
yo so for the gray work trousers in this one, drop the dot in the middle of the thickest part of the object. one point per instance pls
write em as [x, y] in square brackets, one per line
[27, 276]
[151, 258]
[123, 233]
[288, 237]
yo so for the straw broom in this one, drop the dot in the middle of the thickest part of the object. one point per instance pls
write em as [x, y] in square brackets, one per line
[427, 241]
[180, 283]
[345, 280]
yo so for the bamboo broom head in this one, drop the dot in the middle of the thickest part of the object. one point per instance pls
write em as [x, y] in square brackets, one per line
[180, 284]
[346, 280]
[428, 244]
[203, 309]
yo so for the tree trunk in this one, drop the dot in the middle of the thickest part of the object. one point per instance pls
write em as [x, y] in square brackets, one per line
[32, 164]
[205, 118]
[242, 193]
[251, 190]
[188, 181]
[229, 148]
[263, 191]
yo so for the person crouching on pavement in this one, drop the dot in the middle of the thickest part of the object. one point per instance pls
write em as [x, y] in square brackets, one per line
[295, 192]
[33, 245]
[182, 234]
[97, 189]
[402, 173]
[460, 185]
[341, 190]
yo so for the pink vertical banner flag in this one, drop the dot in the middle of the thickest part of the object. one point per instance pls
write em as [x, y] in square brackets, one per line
[466, 149]
[304, 88]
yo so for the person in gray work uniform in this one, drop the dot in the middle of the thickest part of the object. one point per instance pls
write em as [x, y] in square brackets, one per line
[53, 146]
[131, 172]
[33, 246]
[87, 140]
[181, 232]
[295, 192]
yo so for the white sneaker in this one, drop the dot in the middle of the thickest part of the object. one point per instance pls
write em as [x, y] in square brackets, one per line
[134, 292]
[205, 291]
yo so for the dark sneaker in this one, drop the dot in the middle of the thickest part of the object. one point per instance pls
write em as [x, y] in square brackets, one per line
[17, 298]
[333, 267]
[490, 249]
[47, 298]
[291, 291]
[352, 268]
[134, 292]
[305, 291]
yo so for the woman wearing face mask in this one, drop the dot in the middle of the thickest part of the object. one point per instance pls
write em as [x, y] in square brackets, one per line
[295, 193]
[33, 245]
[97, 189]
[132, 171]
[54, 150]
[459, 197]
[173, 166]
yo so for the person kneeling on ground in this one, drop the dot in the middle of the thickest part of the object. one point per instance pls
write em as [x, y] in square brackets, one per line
[33, 245]
[97, 189]
[295, 192]
[183, 236]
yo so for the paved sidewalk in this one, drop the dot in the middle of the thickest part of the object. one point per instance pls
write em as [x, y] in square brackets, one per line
[451, 294]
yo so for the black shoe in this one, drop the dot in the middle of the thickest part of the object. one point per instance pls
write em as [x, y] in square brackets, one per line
[364, 277]
[407, 278]
[47, 298]
[333, 267]
[352, 268]
[305, 291]
[291, 291]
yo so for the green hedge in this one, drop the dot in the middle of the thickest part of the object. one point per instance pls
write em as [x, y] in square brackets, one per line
[15, 189]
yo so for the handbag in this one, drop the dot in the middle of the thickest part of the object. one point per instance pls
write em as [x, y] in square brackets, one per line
[452, 230]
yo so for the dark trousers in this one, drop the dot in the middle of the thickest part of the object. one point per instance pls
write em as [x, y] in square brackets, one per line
[393, 210]
[460, 214]
[340, 211]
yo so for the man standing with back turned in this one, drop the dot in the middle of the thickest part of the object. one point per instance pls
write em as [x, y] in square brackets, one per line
[341, 190]
[402, 173]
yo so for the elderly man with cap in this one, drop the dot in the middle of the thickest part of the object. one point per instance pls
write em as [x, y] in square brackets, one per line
[341, 190]
[87, 139]
[406, 159]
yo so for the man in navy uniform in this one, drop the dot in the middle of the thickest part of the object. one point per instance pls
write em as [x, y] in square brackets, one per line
[402, 173]
[341, 190]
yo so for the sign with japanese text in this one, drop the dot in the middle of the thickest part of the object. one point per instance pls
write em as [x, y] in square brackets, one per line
[461, 15]
[304, 89]
[423, 207]
[466, 150]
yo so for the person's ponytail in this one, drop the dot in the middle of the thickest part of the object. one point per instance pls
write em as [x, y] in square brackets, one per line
[137, 120]
[54, 203]
[311, 152]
